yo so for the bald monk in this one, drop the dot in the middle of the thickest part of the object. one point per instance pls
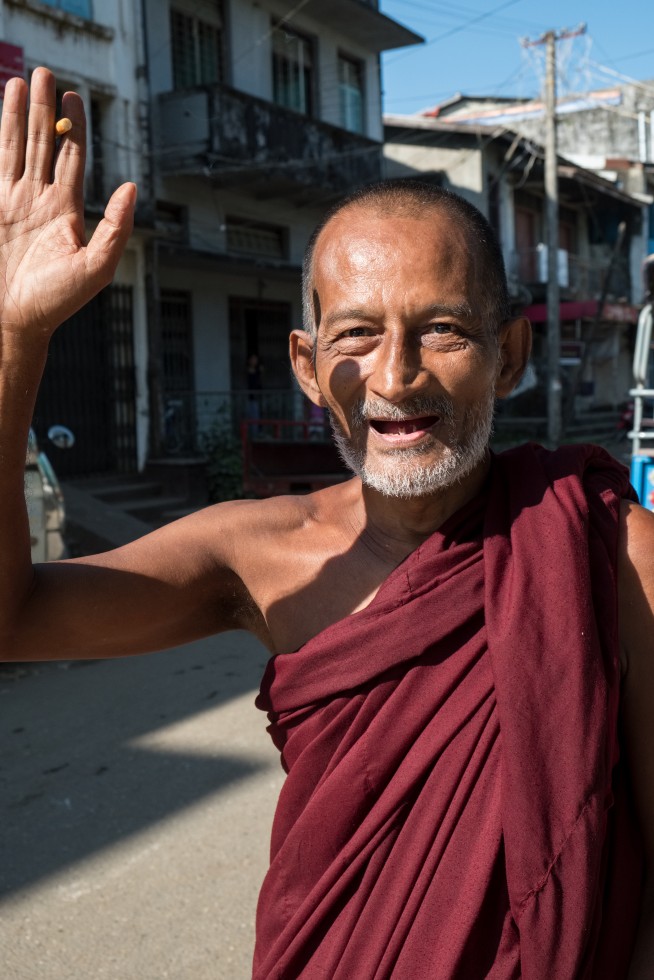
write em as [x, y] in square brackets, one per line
[461, 677]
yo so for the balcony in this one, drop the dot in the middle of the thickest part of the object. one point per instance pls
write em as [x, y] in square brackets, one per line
[579, 278]
[238, 140]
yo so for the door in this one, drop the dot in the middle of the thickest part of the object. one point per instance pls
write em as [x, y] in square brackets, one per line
[89, 385]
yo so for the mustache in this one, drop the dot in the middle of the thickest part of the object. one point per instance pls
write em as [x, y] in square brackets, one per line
[417, 407]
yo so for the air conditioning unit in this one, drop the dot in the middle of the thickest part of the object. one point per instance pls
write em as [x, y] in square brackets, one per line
[562, 267]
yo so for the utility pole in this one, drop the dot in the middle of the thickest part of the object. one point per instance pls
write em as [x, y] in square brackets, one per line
[554, 387]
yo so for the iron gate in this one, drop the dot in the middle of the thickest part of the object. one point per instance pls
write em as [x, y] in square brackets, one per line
[89, 385]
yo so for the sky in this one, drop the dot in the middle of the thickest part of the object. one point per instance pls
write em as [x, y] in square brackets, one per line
[475, 48]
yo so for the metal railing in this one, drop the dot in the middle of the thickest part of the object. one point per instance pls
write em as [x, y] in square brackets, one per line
[187, 415]
[578, 276]
[236, 136]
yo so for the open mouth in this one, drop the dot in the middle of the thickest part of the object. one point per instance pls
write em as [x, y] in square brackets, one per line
[404, 427]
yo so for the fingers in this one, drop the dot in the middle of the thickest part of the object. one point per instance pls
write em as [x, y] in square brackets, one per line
[110, 237]
[40, 148]
[71, 156]
[12, 130]
[34, 159]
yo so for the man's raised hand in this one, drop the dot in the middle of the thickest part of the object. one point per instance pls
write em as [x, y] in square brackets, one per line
[47, 270]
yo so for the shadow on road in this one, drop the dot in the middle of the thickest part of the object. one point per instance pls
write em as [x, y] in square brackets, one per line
[73, 776]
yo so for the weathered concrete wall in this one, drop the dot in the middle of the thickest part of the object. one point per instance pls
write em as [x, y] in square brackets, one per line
[463, 168]
[612, 131]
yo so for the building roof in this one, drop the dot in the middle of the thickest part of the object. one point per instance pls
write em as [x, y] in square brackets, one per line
[567, 169]
[358, 19]
[495, 111]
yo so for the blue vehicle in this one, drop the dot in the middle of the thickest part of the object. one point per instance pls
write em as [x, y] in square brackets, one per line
[642, 434]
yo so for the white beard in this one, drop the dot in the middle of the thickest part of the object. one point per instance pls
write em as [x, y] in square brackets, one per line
[398, 472]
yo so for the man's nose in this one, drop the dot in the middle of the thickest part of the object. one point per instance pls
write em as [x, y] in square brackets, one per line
[399, 372]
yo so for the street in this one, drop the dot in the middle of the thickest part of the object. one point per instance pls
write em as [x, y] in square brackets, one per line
[137, 798]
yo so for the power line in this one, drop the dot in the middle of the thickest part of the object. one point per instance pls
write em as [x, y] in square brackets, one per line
[645, 86]
[458, 10]
[460, 27]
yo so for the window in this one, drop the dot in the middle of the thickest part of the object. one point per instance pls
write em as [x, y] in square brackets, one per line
[293, 70]
[176, 320]
[196, 48]
[264, 241]
[81, 8]
[350, 87]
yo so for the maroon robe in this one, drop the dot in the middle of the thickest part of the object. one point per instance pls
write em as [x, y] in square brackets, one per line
[454, 806]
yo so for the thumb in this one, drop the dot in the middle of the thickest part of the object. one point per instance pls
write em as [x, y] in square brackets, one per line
[109, 239]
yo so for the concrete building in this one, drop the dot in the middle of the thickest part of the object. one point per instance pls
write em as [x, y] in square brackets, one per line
[609, 131]
[263, 113]
[95, 381]
[240, 121]
[501, 171]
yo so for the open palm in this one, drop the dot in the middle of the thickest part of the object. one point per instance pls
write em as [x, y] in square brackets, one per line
[47, 271]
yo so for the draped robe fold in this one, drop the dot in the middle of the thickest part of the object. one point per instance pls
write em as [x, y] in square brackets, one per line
[454, 805]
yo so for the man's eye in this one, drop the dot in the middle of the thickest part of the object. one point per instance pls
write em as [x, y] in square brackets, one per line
[356, 332]
[440, 328]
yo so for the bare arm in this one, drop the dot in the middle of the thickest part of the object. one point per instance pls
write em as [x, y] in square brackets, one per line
[636, 594]
[170, 587]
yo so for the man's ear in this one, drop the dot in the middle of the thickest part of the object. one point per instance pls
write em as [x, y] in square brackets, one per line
[301, 349]
[514, 343]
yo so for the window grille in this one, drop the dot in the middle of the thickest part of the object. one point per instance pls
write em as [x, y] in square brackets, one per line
[196, 49]
[293, 70]
[264, 241]
[176, 322]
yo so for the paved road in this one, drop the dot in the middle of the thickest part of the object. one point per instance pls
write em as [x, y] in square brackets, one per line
[136, 800]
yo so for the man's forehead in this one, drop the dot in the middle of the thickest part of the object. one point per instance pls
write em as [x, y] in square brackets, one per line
[364, 242]
[359, 226]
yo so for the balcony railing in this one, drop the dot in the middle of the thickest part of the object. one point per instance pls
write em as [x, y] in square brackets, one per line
[235, 138]
[579, 278]
[188, 415]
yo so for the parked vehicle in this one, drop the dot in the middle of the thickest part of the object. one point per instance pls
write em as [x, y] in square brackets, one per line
[45, 500]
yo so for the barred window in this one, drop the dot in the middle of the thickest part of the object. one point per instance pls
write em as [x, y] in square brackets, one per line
[196, 49]
[293, 70]
[264, 241]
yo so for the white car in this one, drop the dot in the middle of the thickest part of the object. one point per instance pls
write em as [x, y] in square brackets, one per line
[45, 500]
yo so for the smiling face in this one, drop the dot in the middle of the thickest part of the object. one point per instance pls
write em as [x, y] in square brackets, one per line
[404, 360]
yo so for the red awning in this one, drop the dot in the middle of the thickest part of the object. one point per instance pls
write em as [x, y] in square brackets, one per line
[537, 313]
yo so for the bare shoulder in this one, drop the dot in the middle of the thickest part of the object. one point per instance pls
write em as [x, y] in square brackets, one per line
[268, 542]
[237, 525]
[635, 555]
[279, 549]
[635, 580]
[636, 613]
